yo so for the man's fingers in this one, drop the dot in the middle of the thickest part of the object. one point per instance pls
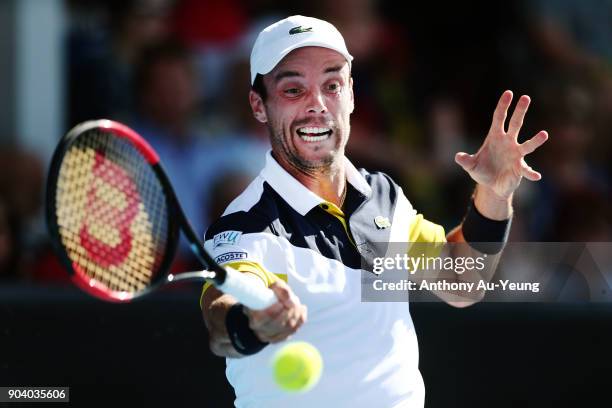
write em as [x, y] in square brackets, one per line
[283, 325]
[530, 145]
[258, 318]
[304, 315]
[467, 161]
[297, 318]
[516, 121]
[266, 326]
[280, 320]
[278, 338]
[284, 294]
[529, 173]
[499, 115]
[273, 337]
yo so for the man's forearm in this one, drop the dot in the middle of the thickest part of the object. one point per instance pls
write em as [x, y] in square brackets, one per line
[491, 205]
[466, 251]
[490, 261]
[214, 310]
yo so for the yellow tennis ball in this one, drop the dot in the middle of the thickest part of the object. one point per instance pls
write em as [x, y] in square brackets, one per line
[297, 366]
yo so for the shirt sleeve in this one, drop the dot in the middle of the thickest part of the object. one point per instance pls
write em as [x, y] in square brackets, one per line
[425, 238]
[425, 231]
[255, 253]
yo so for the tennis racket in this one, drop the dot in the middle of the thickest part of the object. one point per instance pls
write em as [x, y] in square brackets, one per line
[115, 220]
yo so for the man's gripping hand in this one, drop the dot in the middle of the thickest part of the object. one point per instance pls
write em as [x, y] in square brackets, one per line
[282, 319]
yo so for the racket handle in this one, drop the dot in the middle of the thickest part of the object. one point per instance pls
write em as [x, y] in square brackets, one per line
[241, 287]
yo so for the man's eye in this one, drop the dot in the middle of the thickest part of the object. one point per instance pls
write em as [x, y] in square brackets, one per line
[335, 87]
[293, 91]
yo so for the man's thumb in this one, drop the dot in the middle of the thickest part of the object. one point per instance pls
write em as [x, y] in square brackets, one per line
[467, 161]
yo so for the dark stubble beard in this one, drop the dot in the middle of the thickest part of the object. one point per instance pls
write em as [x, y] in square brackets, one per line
[324, 166]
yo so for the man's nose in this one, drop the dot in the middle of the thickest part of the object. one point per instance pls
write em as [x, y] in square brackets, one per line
[316, 102]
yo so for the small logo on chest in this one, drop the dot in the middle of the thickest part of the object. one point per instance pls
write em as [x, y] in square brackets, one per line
[382, 222]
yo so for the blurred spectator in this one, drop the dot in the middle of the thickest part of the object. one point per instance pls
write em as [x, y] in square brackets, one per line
[584, 215]
[574, 43]
[167, 100]
[105, 41]
[21, 182]
[245, 139]
[571, 172]
[212, 29]
[574, 35]
[10, 250]
[22, 232]
[166, 93]
[226, 187]
[446, 134]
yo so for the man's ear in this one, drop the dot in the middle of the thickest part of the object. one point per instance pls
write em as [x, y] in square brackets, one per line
[352, 94]
[257, 106]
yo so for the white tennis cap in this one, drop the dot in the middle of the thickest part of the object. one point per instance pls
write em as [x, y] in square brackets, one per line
[277, 40]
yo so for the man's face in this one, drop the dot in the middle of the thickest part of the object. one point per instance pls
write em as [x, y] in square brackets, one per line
[307, 110]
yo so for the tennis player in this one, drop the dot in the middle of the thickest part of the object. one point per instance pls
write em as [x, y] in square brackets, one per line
[304, 226]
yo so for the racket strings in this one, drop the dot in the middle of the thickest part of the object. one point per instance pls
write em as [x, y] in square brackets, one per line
[111, 212]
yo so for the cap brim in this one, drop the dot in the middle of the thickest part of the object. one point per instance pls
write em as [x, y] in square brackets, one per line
[269, 63]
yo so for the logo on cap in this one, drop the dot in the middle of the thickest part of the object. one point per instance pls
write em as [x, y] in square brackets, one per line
[299, 29]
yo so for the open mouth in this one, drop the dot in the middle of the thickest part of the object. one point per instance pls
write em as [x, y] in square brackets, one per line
[314, 134]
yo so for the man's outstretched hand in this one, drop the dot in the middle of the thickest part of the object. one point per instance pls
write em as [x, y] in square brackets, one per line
[499, 165]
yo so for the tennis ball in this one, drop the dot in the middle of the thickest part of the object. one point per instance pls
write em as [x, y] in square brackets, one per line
[297, 366]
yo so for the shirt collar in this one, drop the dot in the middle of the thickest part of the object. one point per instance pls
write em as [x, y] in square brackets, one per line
[299, 196]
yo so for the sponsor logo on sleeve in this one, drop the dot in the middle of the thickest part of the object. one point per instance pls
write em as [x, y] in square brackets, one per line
[230, 256]
[226, 238]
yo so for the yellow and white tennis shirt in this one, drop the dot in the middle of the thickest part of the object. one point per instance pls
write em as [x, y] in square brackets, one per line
[277, 228]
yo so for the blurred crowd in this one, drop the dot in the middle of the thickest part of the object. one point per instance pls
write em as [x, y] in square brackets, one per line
[426, 83]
